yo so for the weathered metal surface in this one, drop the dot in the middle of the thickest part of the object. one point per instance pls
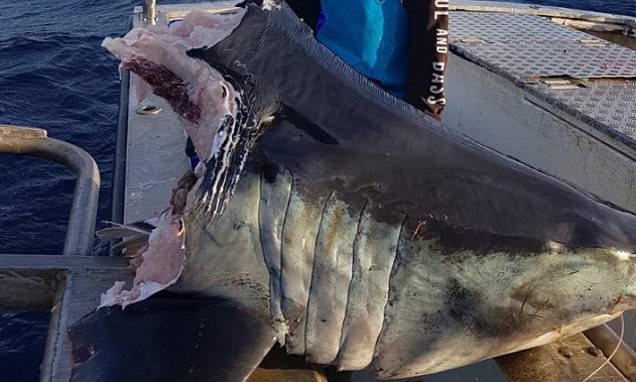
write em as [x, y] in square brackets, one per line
[70, 286]
[572, 359]
[541, 10]
[28, 290]
[155, 159]
[598, 78]
[607, 341]
[282, 375]
[46, 263]
[31, 282]
[166, 13]
[79, 297]
[530, 46]
[610, 102]
[615, 37]
[589, 26]
[34, 142]
[278, 367]
[487, 371]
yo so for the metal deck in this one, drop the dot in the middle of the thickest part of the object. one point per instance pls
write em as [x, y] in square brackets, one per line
[592, 79]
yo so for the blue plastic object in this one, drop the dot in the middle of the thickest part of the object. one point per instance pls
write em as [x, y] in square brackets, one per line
[370, 35]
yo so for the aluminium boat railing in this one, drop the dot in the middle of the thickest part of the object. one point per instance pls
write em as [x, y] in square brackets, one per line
[69, 285]
[35, 142]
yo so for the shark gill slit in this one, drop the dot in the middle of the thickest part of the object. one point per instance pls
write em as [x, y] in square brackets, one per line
[313, 267]
[301, 226]
[274, 199]
[280, 249]
[334, 255]
[265, 250]
[354, 265]
[394, 267]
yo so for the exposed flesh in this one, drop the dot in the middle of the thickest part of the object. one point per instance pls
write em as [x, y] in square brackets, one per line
[157, 54]
[161, 264]
[204, 102]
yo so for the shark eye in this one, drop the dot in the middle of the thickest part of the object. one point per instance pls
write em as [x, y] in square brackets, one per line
[224, 91]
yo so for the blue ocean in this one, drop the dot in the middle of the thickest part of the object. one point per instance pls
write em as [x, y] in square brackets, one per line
[54, 75]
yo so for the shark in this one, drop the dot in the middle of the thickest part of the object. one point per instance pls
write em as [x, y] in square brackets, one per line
[338, 223]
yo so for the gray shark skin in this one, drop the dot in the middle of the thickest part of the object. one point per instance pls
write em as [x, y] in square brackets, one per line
[367, 235]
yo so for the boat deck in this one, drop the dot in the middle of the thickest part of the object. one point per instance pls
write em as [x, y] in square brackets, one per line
[592, 79]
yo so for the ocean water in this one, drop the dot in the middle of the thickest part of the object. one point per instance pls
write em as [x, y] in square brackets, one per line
[54, 75]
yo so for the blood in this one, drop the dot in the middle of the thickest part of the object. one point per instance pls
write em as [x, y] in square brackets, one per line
[166, 84]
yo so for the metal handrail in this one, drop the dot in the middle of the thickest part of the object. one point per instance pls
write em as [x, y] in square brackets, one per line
[150, 12]
[35, 142]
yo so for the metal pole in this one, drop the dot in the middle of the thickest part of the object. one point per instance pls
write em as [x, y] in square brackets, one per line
[81, 223]
[119, 168]
[604, 338]
[150, 12]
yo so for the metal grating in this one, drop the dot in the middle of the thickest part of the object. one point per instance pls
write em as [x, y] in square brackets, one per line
[592, 79]
[530, 46]
[610, 102]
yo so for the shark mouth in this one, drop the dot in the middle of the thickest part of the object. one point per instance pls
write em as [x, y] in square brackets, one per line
[215, 108]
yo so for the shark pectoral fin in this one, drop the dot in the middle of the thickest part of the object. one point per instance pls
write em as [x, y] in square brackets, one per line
[169, 339]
